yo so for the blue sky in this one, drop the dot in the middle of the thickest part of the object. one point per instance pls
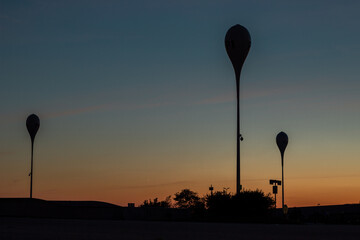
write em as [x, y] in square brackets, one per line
[142, 94]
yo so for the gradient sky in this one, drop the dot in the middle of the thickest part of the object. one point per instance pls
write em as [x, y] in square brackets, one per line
[137, 98]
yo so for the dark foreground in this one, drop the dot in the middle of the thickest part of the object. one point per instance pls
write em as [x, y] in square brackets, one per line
[35, 228]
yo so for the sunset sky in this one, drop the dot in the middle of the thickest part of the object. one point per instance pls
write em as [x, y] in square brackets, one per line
[137, 98]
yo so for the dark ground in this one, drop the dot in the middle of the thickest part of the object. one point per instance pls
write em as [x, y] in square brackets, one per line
[37, 228]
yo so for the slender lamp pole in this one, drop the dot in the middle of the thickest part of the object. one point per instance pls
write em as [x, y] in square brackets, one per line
[32, 125]
[282, 141]
[237, 44]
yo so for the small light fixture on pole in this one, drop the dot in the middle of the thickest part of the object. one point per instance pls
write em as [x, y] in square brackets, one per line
[282, 141]
[237, 44]
[32, 125]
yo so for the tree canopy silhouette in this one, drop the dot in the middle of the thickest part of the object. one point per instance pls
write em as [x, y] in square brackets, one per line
[156, 203]
[248, 205]
[187, 199]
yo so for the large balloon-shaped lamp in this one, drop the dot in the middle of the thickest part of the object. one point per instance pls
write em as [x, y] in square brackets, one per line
[237, 44]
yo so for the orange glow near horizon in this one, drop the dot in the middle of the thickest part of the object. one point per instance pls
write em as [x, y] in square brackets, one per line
[120, 183]
[298, 193]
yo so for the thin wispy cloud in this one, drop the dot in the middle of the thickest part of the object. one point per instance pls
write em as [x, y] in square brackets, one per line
[249, 95]
[170, 100]
[156, 185]
[4, 19]
[222, 98]
[306, 178]
[102, 107]
[76, 111]
[6, 153]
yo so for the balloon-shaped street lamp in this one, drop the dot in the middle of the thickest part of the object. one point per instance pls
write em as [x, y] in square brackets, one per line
[32, 125]
[237, 44]
[282, 141]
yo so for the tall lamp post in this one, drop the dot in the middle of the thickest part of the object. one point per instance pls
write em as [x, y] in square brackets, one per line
[282, 141]
[32, 125]
[237, 44]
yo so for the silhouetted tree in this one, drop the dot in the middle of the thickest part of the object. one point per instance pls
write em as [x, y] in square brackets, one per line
[246, 206]
[187, 199]
[155, 203]
[253, 203]
[218, 201]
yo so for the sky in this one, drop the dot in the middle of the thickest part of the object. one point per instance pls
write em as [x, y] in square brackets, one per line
[137, 99]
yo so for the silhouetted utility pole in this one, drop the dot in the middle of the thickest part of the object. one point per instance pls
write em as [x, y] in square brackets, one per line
[282, 141]
[32, 125]
[237, 44]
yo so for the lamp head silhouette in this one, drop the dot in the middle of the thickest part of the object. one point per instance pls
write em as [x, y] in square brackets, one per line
[237, 44]
[32, 125]
[282, 141]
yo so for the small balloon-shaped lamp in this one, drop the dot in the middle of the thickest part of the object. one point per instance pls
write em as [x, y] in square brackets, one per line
[32, 125]
[282, 141]
[237, 45]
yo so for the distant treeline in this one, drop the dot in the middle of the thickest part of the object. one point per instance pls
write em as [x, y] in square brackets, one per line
[250, 206]
[219, 206]
[186, 205]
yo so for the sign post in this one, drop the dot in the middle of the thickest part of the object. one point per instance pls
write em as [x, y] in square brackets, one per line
[275, 184]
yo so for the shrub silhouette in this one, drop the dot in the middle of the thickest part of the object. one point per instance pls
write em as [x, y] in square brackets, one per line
[246, 206]
[155, 203]
[219, 202]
